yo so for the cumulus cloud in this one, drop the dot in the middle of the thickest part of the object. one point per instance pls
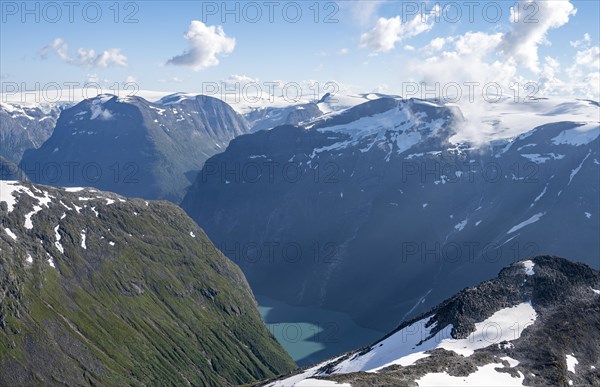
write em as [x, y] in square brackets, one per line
[468, 58]
[85, 57]
[527, 33]
[206, 42]
[387, 32]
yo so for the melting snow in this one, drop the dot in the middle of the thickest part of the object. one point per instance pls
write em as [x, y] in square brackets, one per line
[409, 344]
[10, 233]
[576, 170]
[460, 226]
[7, 188]
[540, 159]
[42, 201]
[57, 242]
[528, 267]
[504, 325]
[539, 196]
[83, 239]
[571, 363]
[578, 136]
[320, 383]
[484, 376]
[529, 221]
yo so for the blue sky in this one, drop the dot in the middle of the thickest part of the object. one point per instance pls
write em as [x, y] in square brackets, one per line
[366, 46]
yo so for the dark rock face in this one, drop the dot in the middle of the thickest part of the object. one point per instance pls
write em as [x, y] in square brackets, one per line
[566, 299]
[99, 289]
[134, 147]
[25, 127]
[375, 201]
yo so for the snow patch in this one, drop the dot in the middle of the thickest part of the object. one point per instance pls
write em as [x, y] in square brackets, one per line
[578, 136]
[571, 362]
[83, 240]
[485, 376]
[57, 242]
[10, 233]
[528, 267]
[460, 226]
[529, 221]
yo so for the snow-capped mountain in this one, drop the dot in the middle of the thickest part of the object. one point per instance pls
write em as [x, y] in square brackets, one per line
[101, 289]
[132, 146]
[26, 126]
[385, 198]
[279, 113]
[536, 324]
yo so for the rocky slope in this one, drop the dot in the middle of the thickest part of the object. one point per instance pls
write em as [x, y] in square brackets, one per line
[99, 289]
[11, 171]
[134, 147]
[536, 324]
[384, 193]
[25, 127]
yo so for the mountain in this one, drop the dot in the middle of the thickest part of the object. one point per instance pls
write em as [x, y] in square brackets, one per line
[25, 127]
[278, 113]
[270, 117]
[390, 193]
[134, 147]
[11, 171]
[97, 289]
[536, 324]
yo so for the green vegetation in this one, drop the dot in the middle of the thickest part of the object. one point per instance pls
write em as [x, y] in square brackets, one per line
[159, 307]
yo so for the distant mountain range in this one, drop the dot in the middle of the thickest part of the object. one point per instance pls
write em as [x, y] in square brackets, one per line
[387, 198]
[98, 289]
[132, 146]
[536, 324]
[25, 127]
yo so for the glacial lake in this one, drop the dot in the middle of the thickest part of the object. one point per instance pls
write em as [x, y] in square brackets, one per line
[311, 334]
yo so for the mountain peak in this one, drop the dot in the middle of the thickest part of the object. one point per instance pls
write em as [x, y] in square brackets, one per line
[498, 329]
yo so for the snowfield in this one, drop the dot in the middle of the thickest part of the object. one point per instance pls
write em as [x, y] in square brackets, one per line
[410, 344]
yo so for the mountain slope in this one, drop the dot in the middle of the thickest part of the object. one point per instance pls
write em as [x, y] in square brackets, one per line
[537, 323]
[381, 194]
[99, 289]
[134, 147]
[11, 171]
[25, 127]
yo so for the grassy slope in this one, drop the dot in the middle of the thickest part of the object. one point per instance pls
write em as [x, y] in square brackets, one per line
[158, 307]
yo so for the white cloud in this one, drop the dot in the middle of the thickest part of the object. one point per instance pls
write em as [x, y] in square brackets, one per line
[584, 42]
[588, 58]
[130, 79]
[206, 42]
[408, 47]
[526, 34]
[470, 58]
[387, 32]
[85, 57]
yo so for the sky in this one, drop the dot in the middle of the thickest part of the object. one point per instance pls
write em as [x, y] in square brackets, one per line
[408, 48]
